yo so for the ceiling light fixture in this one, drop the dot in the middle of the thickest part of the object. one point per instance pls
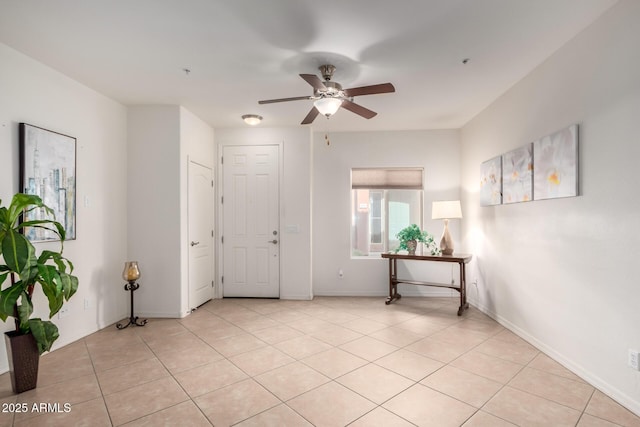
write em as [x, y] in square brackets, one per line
[252, 119]
[327, 106]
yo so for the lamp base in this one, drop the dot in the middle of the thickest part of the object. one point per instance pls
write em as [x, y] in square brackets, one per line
[446, 242]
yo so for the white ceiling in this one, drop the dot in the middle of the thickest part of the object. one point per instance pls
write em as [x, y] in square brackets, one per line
[241, 51]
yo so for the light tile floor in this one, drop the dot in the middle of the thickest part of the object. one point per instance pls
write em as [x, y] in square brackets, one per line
[327, 362]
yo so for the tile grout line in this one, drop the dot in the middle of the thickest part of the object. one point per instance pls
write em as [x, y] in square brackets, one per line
[189, 398]
[320, 311]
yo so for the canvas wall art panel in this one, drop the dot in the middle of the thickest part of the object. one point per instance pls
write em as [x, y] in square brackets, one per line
[555, 159]
[48, 170]
[491, 182]
[517, 175]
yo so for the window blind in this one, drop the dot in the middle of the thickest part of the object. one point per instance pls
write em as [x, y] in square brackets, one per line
[387, 178]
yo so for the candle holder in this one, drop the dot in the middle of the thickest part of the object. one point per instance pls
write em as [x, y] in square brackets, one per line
[131, 273]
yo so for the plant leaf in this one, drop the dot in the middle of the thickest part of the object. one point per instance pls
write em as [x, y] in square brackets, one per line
[25, 203]
[4, 222]
[18, 252]
[46, 224]
[45, 333]
[22, 202]
[74, 286]
[46, 255]
[52, 287]
[69, 285]
[9, 298]
[65, 280]
[24, 312]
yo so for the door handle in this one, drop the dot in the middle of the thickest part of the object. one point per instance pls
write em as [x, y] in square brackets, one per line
[274, 241]
[195, 243]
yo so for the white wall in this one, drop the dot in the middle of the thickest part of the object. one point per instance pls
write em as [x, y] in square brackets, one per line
[154, 208]
[561, 272]
[36, 94]
[295, 203]
[438, 152]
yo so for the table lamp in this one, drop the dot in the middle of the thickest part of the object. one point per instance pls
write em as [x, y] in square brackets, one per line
[448, 209]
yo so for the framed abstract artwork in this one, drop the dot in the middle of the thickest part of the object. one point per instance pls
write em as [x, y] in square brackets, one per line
[517, 175]
[48, 170]
[491, 182]
[555, 158]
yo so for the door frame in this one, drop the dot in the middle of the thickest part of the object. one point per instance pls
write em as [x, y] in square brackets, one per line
[219, 211]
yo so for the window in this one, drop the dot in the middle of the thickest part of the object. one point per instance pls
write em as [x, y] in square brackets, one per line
[383, 202]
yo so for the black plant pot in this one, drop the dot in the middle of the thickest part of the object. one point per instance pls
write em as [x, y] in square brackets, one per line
[23, 355]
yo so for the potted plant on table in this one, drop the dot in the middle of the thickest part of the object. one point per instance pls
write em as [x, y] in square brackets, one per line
[20, 271]
[411, 235]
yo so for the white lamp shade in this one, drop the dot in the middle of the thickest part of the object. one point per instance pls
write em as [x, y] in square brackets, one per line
[327, 106]
[447, 209]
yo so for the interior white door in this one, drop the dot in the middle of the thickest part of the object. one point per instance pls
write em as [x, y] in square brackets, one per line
[251, 236]
[200, 228]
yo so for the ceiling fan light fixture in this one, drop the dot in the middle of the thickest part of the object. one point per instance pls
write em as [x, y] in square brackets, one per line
[327, 106]
[252, 119]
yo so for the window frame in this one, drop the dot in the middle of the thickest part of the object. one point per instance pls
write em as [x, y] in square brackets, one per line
[384, 188]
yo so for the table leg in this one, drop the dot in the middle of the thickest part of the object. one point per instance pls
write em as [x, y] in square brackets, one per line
[463, 290]
[393, 284]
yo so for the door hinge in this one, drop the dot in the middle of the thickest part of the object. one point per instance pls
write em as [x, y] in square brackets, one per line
[212, 183]
[222, 239]
[212, 284]
[211, 233]
[222, 160]
[222, 279]
[222, 200]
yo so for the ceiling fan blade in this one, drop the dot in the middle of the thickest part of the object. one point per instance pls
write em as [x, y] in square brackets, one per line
[370, 90]
[358, 109]
[314, 81]
[295, 98]
[311, 116]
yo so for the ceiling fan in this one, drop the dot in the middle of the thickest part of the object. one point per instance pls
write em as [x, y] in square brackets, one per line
[328, 96]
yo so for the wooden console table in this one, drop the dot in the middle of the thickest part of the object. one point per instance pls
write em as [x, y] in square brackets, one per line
[460, 259]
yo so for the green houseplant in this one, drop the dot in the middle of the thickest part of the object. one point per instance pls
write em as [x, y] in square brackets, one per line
[411, 235]
[22, 269]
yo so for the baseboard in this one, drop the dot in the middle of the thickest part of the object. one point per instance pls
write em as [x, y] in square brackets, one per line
[159, 315]
[622, 398]
[407, 292]
[296, 297]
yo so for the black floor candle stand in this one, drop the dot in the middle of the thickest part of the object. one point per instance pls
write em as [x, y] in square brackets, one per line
[132, 286]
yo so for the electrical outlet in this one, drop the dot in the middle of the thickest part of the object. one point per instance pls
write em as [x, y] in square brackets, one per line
[64, 312]
[633, 359]
[340, 273]
[87, 304]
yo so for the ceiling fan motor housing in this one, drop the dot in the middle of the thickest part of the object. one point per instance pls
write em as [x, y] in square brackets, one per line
[327, 71]
[333, 89]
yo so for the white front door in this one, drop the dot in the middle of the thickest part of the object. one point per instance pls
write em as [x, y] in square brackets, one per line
[251, 233]
[200, 227]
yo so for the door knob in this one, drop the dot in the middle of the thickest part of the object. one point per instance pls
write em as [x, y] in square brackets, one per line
[274, 241]
[195, 243]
